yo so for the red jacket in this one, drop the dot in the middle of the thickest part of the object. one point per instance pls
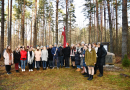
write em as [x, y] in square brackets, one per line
[23, 55]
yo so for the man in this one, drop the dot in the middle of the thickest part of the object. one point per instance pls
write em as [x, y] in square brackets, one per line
[60, 55]
[54, 52]
[101, 53]
[67, 55]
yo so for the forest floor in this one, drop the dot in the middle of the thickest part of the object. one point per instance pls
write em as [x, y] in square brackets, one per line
[115, 78]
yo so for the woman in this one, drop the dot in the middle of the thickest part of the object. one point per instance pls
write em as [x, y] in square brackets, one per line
[16, 54]
[90, 59]
[72, 55]
[67, 55]
[83, 56]
[101, 58]
[23, 58]
[77, 57]
[44, 57]
[8, 55]
[37, 57]
[50, 57]
[30, 59]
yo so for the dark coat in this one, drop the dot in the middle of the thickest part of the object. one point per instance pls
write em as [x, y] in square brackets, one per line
[101, 53]
[77, 58]
[50, 56]
[16, 57]
[60, 51]
[66, 51]
[53, 51]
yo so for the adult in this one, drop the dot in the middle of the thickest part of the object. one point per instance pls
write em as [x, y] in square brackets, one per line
[23, 58]
[30, 59]
[101, 53]
[16, 54]
[72, 55]
[90, 59]
[44, 56]
[82, 56]
[50, 57]
[77, 57]
[37, 57]
[54, 52]
[60, 55]
[8, 61]
[27, 49]
[67, 55]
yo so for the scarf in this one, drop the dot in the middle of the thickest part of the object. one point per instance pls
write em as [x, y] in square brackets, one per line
[72, 52]
[10, 58]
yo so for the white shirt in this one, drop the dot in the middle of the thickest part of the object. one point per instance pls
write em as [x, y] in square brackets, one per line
[89, 50]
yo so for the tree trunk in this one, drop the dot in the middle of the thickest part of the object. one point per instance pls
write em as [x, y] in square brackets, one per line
[31, 35]
[8, 24]
[35, 29]
[110, 27]
[66, 29]
[105, 18]
[116, 29]
[57, 3]
[70, 28]
[124, 28]
[97, 20]
[2, 27]
[101, 19]
[9, 32]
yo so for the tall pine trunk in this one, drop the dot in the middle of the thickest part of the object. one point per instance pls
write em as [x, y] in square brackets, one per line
[110, 27]
[124, 28]
[97, 20]
[2, 27]
[105, 18]
[57, 3]
[35, 28]
[116, 29]
[66, 29]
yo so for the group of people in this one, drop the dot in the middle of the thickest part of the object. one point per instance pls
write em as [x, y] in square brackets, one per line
[90, 57]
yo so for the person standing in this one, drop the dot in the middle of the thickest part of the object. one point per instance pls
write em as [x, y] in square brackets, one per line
[72, 55]
[23, 58]
[82, 56]
[8, 55]
[44, 56]
[50, 57]
[101, 53]
[77, 57]
[90, 59]
[16, 54]
[60, 55]
[37, 57]
[67, 55]
[54, 52]
[30, 59]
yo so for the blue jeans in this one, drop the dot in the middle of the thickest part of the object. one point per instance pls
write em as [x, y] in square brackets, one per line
[26, 62]
[37, 64]
[84, 65]
[78, 66]
[60, 61]
[44, 64]
[23, 64]
[54, 57]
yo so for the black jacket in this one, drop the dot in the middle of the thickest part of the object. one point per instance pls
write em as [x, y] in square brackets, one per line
[66, 51]
[16, 57]
[60, 51]
[101, 53]
[77, 58]
[50, 56]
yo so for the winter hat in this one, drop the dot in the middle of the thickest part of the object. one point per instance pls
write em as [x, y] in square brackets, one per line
[21, 47]
[27, 46]
[82, 42]
[67, 43]
[55, 44]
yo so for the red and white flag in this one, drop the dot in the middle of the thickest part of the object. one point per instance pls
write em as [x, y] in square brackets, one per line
[64, 34]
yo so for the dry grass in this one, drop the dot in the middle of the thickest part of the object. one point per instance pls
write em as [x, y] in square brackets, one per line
[62, 79]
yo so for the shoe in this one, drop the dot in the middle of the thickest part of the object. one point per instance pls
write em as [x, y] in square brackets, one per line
[31, 69]
[57, 68]
[17, 71]
[8, 73]
[87, 75]
[91, 77]
[61, 67]
[84, 73]
[78, 69]
[24, 70]
[53, 68]
[100, 75]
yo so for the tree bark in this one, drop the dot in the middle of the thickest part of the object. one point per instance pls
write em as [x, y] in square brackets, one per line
[116, 29]
[110, 27]
[57, 3]
[35, 28]
[2, 27]
[66, 29]
[105, 18]
[97, 20]
[124, 28]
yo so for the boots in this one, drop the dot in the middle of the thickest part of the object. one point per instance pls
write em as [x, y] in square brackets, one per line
[100, 75]
[78, 69]
[87, 75]
[91, 77]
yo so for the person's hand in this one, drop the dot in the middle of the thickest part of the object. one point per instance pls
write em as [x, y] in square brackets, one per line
[85, 62]
[56, 49]
[80, 55]
[83, 55]
[94, 63]
[54, 54]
